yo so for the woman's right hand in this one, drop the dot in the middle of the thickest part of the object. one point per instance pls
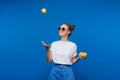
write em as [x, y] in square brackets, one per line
[45, 45]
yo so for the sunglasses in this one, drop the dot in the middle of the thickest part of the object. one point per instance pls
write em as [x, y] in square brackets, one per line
[63, 29]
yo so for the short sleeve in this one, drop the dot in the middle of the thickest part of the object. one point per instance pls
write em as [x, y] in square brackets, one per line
[74, 50]
[52, 47]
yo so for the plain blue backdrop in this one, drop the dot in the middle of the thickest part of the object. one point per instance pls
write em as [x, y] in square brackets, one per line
[22, 27]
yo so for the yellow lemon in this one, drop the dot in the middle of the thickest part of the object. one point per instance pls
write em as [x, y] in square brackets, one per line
[83, 54]
[43, 11]
[80, 54]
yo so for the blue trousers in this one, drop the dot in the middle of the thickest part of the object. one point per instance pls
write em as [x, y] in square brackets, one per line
[61, 72]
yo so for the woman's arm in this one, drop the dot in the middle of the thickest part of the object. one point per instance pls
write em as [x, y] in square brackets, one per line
[74, 59]
[48, 55]
[48, 52]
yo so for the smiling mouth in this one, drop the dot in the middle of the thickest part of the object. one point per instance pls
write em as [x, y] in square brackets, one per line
[61, 31]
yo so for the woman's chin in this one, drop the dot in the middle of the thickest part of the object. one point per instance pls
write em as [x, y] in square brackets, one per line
[60, 34]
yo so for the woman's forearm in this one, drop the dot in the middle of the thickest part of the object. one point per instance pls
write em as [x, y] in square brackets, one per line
[74, 59]
[48, 55]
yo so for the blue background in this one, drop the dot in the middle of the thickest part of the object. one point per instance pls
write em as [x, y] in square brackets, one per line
[22, 27]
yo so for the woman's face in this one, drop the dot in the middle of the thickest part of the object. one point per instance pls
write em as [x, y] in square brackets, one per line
[63, 30]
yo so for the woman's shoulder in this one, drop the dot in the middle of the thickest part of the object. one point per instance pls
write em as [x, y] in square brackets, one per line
[54, 42]
[73, 43]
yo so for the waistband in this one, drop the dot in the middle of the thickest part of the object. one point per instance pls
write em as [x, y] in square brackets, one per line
[62, 64]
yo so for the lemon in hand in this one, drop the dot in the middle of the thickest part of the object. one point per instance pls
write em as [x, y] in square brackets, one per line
[83, 54]
[43, 11]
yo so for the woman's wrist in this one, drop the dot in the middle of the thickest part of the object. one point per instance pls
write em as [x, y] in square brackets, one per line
[78, 58]
[47, 47]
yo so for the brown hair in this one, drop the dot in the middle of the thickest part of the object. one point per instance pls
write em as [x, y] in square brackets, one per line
[71, 28]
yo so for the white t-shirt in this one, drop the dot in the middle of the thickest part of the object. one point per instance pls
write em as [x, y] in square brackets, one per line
[62, 52]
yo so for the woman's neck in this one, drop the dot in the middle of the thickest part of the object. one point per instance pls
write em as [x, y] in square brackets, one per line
[64, 39]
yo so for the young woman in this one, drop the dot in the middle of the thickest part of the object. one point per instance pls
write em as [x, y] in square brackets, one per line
[63, 54]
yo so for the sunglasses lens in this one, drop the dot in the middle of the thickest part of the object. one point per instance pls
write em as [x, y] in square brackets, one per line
[59, 28]
[63, 29]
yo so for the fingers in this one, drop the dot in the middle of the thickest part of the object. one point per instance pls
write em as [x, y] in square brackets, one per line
[80, 57]
[43, 43]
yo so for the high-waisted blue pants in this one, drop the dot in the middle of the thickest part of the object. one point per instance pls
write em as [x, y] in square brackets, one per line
[61, 72]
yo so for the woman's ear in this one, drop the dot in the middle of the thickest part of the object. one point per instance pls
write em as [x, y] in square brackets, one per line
[69, 32]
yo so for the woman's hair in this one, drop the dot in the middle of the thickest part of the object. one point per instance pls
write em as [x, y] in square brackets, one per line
[71, 28]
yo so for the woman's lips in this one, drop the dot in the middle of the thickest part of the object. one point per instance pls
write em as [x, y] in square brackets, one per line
[61, 31]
